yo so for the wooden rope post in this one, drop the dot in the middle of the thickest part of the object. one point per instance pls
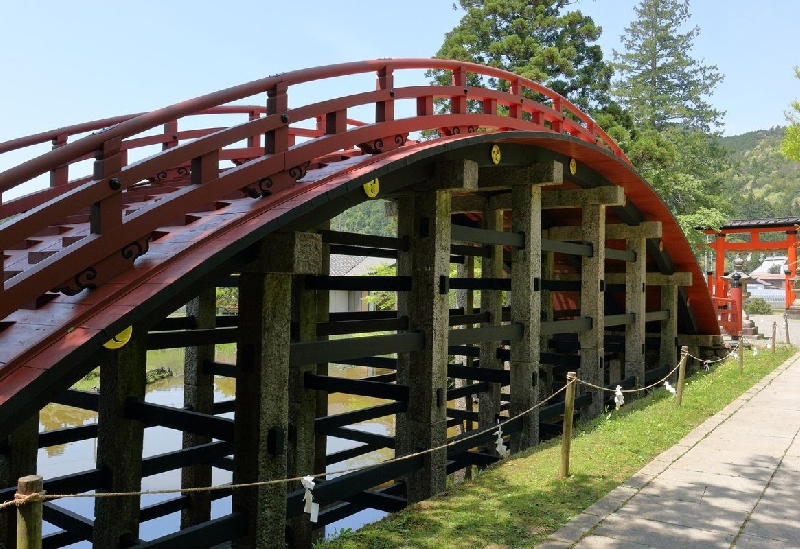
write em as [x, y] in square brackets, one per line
[741, 354]
[786, 326]
[29, 514]
[681, 375]
[569, 412]
[774, 334]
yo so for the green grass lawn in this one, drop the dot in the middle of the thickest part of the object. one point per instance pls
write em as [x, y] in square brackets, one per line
[519, 502]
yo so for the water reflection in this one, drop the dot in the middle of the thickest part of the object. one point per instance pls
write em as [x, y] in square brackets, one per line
[79, 456]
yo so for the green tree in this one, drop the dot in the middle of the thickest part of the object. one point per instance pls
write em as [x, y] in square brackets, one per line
[675, 146]
[790, 146]
[535, 39]
[660, 82]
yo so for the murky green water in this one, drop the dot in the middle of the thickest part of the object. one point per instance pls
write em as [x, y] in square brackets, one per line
[79, 456]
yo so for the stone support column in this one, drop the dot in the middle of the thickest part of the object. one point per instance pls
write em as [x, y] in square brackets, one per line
[635, 303]
[302, 401]
[119, 442]
[262, 387]
[491, 303]
[18, 453]
[526, 269]
[592, 292]
[668, 351]
[198, 395]
[424, 424]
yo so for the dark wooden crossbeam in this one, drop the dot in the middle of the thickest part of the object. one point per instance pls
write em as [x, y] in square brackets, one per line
[371, 499]
[203, 453]
[390, 377]
[561, 285]
[359, 283]
[362, 250]
[324, 424]
[77, 525]
[651, 376]
[347, 485]
[621, 255]
[191, 338]
[362, 326]
[60, 539]
[364, 240]
[464, 350]
[462, 415]
[182, 420]
[67, 435]
[467, 390]
[350, 453]
[619, 320]
[376, 389]
[164, 508]
[571, 361]
[479, 284]
[553, 411]
[373, 361]
[361, 315]
[207, 534]
[384, 441]
[499, 332]
[462, 233]
[224, 406]
[479, 374]
[222, 369]
[566, 326]
[75, 483]
[465, 459]
[656, 315]
[85, 400]
[461, 320]
[466, 250]
[567, 248]
[315, 352]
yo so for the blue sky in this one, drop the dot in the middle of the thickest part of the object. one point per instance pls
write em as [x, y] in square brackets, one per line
[68, 62]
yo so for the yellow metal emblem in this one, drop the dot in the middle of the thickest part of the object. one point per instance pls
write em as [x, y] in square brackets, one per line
[371, 188]
[120, 339]
[496, 156]
[573, 166]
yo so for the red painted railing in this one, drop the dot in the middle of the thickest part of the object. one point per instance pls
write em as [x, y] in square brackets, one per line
[195, 160]
[728, 315]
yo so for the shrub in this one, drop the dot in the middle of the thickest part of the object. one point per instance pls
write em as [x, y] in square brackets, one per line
[757, 306]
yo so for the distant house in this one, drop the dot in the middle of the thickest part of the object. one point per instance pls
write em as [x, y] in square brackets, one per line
[770, 274]
[342, 301]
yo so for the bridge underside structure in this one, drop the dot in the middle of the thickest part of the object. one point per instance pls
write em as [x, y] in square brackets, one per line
[581, 268]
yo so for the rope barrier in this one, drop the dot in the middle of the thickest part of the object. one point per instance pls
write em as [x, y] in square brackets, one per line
[20, 500]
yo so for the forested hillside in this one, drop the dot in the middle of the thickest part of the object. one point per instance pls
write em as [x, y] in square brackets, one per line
[762, 182]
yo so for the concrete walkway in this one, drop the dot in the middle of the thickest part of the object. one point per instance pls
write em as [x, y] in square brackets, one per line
[734, 481]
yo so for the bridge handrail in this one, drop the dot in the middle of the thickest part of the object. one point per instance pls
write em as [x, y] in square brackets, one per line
[127, 126]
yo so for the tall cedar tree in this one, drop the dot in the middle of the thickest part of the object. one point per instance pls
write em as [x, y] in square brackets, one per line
[533, 39]
[661, 84]
[665, 90]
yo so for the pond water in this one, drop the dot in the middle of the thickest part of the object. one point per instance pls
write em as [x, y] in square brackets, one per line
[79, 456]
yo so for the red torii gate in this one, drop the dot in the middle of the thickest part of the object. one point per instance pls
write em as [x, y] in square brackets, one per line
[754, 228]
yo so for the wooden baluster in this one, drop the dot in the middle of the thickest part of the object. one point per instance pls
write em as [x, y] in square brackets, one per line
[60, 175]
[170, 135]
[384, 110]
[277, 140]
[107, 213]
[458, 103]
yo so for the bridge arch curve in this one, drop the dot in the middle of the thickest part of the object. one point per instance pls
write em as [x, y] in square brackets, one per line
[91, 255]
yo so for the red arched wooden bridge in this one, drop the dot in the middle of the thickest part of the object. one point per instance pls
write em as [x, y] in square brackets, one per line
[114, 242]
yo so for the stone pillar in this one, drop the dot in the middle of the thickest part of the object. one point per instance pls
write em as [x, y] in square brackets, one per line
[17, 459]
[592, 290]
[526, 267]
[119, 442]
[302, 401]
[668, 350]
[424, 424]
[548, 266]
[261, 420]
[492, 303]
[636, 303]
[198, 395]
[323, 315]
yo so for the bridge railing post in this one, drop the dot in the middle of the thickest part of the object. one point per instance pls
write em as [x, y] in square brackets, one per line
[384, 110]
[29, 514]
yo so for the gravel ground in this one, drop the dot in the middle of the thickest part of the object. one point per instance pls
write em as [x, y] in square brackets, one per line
[764, 324]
